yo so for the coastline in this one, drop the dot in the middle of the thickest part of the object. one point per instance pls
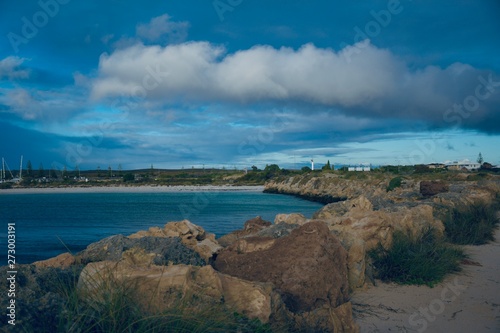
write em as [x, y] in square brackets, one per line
[133, 189]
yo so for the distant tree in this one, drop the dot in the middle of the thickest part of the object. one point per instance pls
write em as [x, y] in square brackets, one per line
[272, 168]
[327, 166]
[29, 169]
[480, 159]
[41, 172]
[306, 169]
[486, 166]
[254, 168]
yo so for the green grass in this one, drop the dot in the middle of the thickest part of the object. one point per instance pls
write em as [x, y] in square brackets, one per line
[394, 183]
[474, 224]
[422, 259]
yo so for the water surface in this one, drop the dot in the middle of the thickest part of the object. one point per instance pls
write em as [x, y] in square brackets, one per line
[48, 224]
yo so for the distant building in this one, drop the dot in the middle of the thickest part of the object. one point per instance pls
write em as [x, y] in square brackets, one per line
[360, 168]
[463, 165]
[436, 166]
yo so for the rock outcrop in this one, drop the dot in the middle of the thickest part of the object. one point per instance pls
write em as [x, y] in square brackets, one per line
[160, 288]
[370, 214]
[163, 250]
[361, 228]
[308, 267]
[63, 261]
[192, 236]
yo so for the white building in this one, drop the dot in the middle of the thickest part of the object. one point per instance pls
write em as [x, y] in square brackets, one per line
[465, 164]
[359, 168]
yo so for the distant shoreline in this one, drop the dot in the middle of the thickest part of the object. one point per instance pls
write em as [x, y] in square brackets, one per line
[133, 189]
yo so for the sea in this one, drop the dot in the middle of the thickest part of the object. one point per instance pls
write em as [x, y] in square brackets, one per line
[48, 224]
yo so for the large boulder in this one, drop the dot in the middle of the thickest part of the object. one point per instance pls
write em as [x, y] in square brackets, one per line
[309, 267]
[294, 218]
[361, 228]
[63, 261]
[159, 288]
[164, 250]
[192, 236]
[429, 188]
[251, 228]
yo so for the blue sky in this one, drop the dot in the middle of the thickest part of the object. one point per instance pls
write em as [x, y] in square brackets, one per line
[237, 83]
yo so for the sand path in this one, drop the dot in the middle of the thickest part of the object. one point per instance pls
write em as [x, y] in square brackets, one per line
[465, 302]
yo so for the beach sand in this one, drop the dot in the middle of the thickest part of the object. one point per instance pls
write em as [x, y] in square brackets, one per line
[465, 302]
[132, 189]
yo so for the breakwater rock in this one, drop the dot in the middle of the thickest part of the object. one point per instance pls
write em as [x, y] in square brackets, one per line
[454, 190]
[291, 275]
[375, 205]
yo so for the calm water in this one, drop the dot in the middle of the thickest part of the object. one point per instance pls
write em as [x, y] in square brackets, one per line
[48, 223]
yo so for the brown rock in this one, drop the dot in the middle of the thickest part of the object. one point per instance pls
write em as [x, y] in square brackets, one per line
[293, 218]
[252, 244]
[63, 261]
[158, 288]
[252, 227]
[432, 187]
[192, 236]
[309, 267]
[361, 228]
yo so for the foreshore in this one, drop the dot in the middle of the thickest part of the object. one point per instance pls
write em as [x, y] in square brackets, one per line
[468, 301]
[132, 189]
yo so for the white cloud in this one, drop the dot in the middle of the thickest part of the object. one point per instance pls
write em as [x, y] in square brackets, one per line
[9, 68]
[373, 83]
[162, 26]
[22, 103]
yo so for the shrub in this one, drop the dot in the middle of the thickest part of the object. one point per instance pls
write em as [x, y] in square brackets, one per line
[474, 224]
[128, 177]
[421, 259]
[395, 182]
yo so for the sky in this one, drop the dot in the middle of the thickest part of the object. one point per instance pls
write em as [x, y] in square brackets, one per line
[236, 83]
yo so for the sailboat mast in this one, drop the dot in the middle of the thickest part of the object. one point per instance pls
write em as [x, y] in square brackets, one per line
[21, 169]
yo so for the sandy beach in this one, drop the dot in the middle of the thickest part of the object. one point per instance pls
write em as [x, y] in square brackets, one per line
[132, 189]
[465, 302]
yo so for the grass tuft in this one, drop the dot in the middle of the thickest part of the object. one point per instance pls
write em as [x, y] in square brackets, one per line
[422, 259]
[394, 183]
[474, 224]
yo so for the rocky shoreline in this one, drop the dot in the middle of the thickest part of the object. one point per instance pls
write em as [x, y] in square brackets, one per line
[295, 273]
